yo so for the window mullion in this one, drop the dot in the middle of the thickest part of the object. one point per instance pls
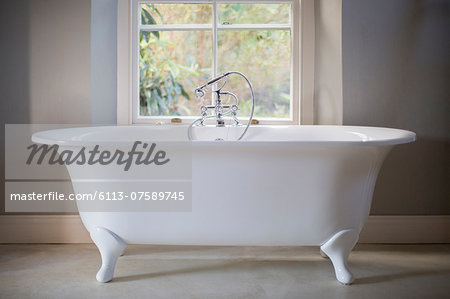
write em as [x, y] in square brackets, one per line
[215, 44]
[179, 27]
[215, 22]
[254, 27]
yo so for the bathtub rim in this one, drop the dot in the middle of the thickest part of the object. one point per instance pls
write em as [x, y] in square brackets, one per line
[403, 136]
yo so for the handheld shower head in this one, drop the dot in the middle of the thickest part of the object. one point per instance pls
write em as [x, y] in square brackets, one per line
[199, 92]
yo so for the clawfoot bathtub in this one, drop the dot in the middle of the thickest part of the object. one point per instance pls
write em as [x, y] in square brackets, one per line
[287, 186]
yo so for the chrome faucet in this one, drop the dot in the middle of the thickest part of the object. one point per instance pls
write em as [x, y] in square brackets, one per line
[218, 107]
[221, 110]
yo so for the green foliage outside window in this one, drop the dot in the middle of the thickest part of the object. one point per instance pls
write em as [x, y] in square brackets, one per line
[159, 85]
[173, 63]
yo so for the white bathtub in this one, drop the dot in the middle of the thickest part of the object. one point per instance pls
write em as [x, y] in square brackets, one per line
[287, 185]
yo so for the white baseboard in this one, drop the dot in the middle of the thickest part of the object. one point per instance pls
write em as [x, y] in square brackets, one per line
[406, 229]
[70, 229]
[42, 229]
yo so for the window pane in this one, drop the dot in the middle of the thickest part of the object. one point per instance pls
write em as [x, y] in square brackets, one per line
[176, 14]
[171, 65]
[265, 58]
[238, 13]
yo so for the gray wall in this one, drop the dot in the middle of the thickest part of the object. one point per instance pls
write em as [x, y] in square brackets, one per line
[45, 61]
[14, 73]
[44, 65]
[328, 94]
[396, 74]
[104, 61]
[59, 61]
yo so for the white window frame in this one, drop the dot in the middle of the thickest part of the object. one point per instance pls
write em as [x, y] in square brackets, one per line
[302, 59]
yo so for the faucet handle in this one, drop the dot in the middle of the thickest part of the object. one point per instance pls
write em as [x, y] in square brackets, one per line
[234, 109]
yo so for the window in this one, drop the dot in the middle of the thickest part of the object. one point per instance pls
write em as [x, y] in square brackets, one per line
[178, 45]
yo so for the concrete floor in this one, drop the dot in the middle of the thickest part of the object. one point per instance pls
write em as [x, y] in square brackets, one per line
[68, 271]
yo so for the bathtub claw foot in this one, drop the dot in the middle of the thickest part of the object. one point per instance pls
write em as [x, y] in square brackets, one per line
[110, 247]
[338, 249]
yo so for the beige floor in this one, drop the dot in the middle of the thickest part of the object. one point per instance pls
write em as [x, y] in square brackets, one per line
[68, 271]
